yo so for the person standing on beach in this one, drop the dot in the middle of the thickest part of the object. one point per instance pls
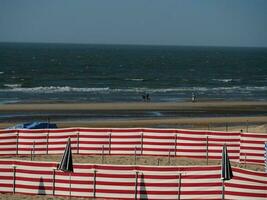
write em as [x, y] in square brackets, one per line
[147, 97]
[193, 97]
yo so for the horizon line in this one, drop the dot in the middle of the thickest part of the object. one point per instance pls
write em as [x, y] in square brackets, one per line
[129, 44]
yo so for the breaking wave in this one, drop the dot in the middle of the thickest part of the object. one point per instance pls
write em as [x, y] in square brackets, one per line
[66, 89]
[53, 89]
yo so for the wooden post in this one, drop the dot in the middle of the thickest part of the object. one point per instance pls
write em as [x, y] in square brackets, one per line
[136, 185]
[142, 142]
[14, 179]
[175, 145]
[78, 142]
[247, 126]
[17, 143]
[158, 161]
[207, 150]
[33, 151]
[169, 157]
[102, 155]
[47, 140]
[109, 144]
[94, 186]
[54, 181]
[179, 186]
[245, 162]
[135, 149]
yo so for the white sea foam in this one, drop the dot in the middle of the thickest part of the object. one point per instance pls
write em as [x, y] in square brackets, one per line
[12, 85]
[134, 79]
[57, 89]
[226, 80]
[53, 89]
[2, 72]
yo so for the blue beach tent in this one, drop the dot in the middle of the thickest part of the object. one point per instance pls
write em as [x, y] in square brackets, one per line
[34, 125]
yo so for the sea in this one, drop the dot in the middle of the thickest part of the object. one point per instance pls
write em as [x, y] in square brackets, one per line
[33, 72]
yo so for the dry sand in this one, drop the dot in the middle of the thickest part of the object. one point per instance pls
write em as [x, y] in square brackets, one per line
[130, 160]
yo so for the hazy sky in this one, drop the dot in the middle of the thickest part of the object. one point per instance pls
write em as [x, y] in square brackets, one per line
[167, 22]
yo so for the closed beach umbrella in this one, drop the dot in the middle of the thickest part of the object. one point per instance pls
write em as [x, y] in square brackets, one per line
[226, 170]
[66, 161]
[226, 173]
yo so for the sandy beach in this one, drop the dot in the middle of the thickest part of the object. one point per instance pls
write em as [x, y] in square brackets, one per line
[232, 116]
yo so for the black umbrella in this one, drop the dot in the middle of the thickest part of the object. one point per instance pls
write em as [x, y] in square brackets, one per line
[226, 170]
[66, 164]
[226, 173]
[66, 161]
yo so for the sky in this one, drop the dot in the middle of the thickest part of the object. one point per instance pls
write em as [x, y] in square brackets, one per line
[147, 22]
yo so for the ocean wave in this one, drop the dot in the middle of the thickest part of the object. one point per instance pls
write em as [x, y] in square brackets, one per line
[2, 72]
[66, 89]
[134, 79]
[53, 89]
[226, 80]
[12, 85]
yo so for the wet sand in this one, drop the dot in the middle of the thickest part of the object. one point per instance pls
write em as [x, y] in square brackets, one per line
[207, 105]
[217, 114]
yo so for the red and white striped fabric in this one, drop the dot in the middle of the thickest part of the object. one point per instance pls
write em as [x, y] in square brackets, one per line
[119, 182]
[201, 141]
[252, 147]
[246, 185]
[159, 142]
[92, 141]
[176, 142]
[125, 141]
[8, 142]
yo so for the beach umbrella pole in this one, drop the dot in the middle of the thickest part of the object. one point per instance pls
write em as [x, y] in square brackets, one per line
[223, 189]
[54, 180]
[136, 185]
[94, 186]
[70, 185]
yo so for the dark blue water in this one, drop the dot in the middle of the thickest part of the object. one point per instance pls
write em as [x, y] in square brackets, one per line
[106, 73]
